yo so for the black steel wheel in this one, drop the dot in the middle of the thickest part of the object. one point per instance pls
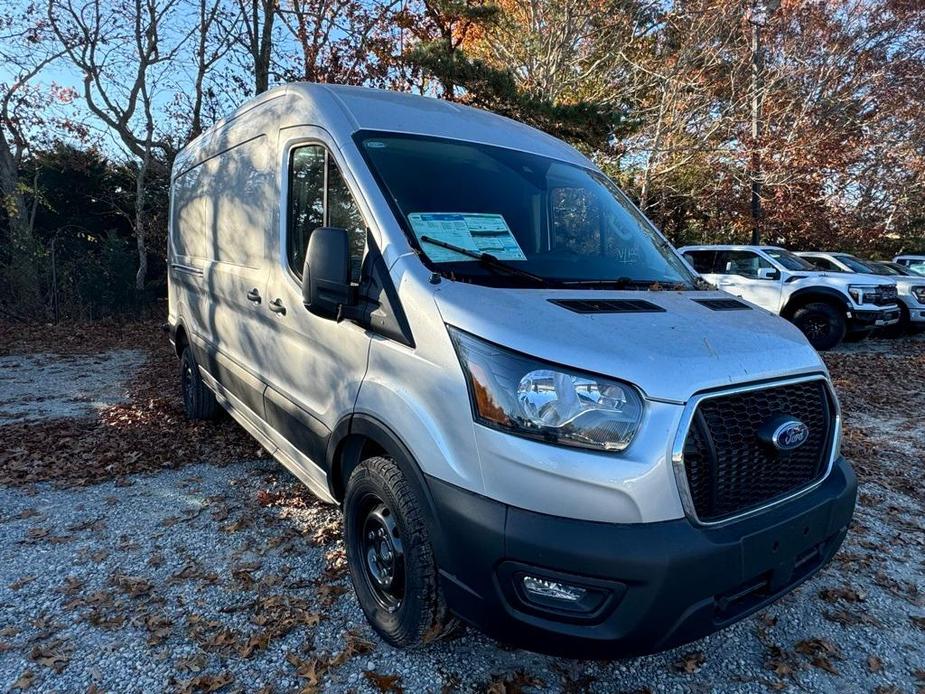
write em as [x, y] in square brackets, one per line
[391, 561]
[385, 557]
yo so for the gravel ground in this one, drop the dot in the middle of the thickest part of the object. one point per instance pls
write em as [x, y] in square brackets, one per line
[46, 386]
[232, 578]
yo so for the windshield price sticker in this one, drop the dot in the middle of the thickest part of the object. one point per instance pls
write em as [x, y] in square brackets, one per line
[480, 233]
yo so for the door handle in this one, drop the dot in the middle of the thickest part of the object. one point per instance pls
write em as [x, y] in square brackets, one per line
[277, 307]
[253, 295]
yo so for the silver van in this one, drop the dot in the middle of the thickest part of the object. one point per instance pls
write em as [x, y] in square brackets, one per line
[535, 417]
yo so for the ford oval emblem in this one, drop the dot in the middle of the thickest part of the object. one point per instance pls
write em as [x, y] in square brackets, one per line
[789, 434]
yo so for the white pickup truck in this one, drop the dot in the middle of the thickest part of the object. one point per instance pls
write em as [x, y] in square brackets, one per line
[909, 285]
[824, 306]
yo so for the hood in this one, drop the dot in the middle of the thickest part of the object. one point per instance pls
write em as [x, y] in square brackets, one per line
[669, 354]
[844, 278]
[904, 283]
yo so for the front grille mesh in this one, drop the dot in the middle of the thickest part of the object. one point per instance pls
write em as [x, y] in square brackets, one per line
[886, 296]
[730, 470]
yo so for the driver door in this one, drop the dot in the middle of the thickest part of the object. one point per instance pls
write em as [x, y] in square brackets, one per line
[748, 276]
[315, 365]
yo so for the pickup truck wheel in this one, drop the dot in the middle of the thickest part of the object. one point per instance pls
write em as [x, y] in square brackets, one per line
[198, 401]
[823, 324]
[391, 562]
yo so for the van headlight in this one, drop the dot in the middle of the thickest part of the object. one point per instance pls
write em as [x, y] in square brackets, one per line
[535, 399]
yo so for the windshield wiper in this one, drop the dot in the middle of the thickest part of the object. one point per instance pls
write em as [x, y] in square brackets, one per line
[618, 283]
[487, 259]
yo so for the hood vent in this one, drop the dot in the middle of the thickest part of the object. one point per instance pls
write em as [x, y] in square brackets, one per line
[607, 305]
[723, 304]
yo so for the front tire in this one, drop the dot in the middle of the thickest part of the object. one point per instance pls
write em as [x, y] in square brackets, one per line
[822, 324]
[198, 401]
[391, 562]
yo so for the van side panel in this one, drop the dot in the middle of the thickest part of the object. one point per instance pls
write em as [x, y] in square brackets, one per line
[240, 195]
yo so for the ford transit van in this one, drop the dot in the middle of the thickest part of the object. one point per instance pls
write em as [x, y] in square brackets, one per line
[535, 417]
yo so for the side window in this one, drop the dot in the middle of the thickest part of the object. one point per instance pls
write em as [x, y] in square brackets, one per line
[916, 266]
[702, 261]
[343, 213]
[743, 263]
[823, 264]
[319, 196]
[306, 201]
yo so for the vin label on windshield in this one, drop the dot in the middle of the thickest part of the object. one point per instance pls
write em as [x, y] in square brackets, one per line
[479, 233]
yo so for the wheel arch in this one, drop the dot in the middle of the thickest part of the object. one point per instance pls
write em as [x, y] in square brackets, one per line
[360, 436]
[179, 338]
[802, 297]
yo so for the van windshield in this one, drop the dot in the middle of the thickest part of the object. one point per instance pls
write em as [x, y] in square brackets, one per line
[563, 223]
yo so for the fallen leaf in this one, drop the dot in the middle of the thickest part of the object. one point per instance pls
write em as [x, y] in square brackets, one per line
[384, 683]
[690, 662]
[24, 681]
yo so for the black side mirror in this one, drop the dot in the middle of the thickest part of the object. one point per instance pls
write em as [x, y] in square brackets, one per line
[326, 288]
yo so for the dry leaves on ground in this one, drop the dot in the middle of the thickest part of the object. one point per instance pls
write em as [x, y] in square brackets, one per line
[148, 433]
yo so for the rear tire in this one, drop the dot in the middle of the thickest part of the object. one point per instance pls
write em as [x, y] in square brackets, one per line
[823, 324]
[198, 401]
[391, 562]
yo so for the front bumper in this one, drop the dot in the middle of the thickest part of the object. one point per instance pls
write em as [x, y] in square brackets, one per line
[915, 310]
[663, 584]
[864, 319]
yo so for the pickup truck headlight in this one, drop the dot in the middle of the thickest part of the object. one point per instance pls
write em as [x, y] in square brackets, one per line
[535, 399]
[863, 294]
[919, 293]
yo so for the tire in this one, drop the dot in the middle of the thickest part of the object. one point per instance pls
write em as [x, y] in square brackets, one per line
[391, 561]
[823, 324]
[198, 401]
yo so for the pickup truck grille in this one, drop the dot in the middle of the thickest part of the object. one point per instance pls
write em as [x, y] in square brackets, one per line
[730, 470]
[886, 295]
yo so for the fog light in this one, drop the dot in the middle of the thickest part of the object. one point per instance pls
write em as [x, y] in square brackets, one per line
[544, 588]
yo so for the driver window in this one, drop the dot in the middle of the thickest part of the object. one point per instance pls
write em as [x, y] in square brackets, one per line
[319, 196]
[743, 263]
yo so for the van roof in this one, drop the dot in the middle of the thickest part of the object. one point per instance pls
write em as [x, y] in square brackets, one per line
[343, 110]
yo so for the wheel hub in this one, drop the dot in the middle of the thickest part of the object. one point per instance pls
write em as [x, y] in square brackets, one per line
[816, 327]
[385, 561]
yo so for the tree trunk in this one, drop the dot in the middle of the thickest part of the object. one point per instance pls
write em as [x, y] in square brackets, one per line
[21, 275]
[652, 159]
[140, 220]
[755, 164]
[196, 126]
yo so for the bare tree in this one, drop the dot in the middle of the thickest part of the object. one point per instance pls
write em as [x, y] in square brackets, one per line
[344, 41]
[214, 38]
[22, 104]
[257, 21]
[121, 47]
